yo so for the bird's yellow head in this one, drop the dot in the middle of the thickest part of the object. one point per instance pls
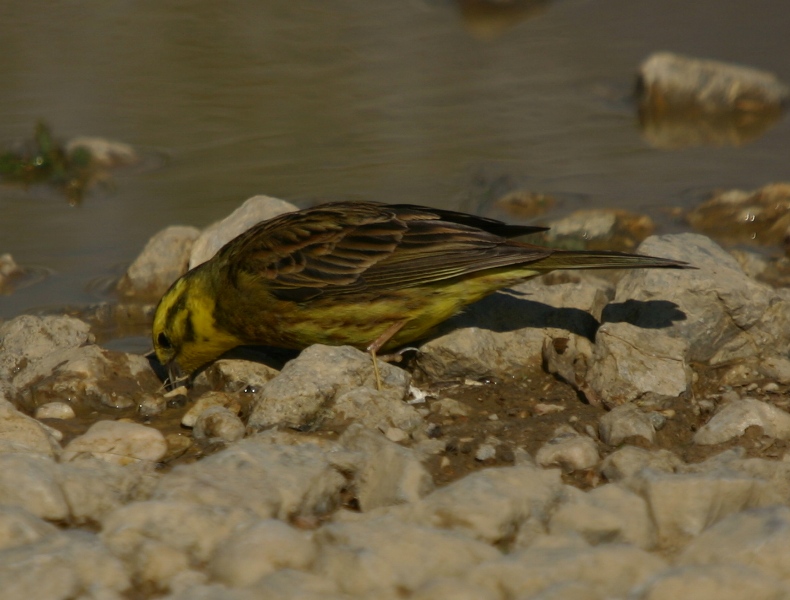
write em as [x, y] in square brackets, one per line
[185, 334]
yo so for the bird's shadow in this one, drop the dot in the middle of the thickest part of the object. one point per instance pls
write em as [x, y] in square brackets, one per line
[509, 311]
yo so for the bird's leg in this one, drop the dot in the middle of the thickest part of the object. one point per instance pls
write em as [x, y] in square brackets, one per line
[379, 342]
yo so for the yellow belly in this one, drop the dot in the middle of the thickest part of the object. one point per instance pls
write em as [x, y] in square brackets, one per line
[360, 321]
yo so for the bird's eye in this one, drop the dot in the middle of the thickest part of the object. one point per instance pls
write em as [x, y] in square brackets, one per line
[164, 342]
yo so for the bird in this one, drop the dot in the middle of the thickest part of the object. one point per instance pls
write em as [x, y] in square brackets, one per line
[369, 275]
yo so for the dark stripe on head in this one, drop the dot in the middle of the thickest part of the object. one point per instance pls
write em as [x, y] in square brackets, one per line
[189, 328]
[175, 308]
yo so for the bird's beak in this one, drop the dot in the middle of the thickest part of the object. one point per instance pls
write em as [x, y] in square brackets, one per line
[175, 376]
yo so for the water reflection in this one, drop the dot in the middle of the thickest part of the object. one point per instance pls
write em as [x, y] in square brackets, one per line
[488, 19]
[687, 128]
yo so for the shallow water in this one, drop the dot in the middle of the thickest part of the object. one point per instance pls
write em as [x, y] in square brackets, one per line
[426, 101]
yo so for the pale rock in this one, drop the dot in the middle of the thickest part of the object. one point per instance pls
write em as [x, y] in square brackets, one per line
[93, 487]
[252, 211]
[262, 549]
[630, 460]
[60, 567]
[377, 409]
[607, 514]
[609, 570]
[591, 224]
[208, 400]
[20, 433]
[776, 368]
[490, 505]
[104, 153]
[485, 452]
[383, 553]
[629, 362]
[187, 579]
[674, 82]
[775, 472]
[30, 481]
[314, 380]
[163, 260]
[236, 375]
[450, 407]
[82, 375]
[159, 540]
[759, 538]
[569, 450]
[152, 405]
[430, 446]
[685, 504]
[268, 475]
[217, 423]
[442, 588]
[163, 566]
[18, 527]
[625, 421]
[27, 339]
[387, 472]
[10, 274]
[55, 410]
[706, 308]
[478, 353]
[734, 418]
[290, 584]
[117, 442]
[713, 582]
[214, 591]
[566, 590]
[394, 434]
[569, 356]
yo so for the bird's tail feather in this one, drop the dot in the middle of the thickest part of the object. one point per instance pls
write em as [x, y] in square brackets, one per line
[595, 259]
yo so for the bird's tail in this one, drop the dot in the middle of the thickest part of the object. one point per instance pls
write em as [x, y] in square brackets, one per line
[595, 259]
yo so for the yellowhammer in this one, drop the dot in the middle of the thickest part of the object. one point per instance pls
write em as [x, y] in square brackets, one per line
[369, 275]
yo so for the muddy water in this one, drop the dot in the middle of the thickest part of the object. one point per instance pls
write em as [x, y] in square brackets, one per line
[425, 101]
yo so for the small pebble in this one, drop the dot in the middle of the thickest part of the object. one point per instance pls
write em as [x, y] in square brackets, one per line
[118, 442]
[55, 410]
[569, 450]
[771, 387]
[542, 408]
[151, 406]
[417, 396]
[657, 419]
[395, 434]
[218, 423]
[493, 417]
[485, 452]
[449, 407]
[207, 401]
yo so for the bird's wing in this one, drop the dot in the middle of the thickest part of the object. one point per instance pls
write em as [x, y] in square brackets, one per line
[343, 248]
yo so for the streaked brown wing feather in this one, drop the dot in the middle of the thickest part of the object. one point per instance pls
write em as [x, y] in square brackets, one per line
[343, 248]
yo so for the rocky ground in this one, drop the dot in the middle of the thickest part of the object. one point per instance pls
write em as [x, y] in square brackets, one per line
[579, 436]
